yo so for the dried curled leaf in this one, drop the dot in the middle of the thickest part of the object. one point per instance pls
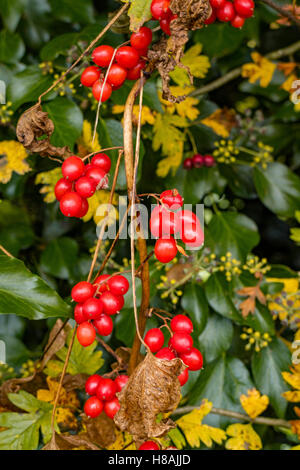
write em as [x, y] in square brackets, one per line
[56, 341]
[153, 388]
[100, 431]
[34, 130]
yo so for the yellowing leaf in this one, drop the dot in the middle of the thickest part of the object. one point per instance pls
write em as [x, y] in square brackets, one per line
[177, 438]
[147, 117]
[254, 403]
[123, 441]
[221, 121]
[139, 12]
[195, 432]
[197, 63]
[85, 142]
[261, 69]
[243, 438]
[99, 208]
[65, 398]
[48, 179]
[12, 159]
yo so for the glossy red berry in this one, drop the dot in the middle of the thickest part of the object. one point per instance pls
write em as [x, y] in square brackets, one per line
[127, 57]
[99, 176]
[71, 204]
[92, 308]
[93, 407]
[102, 55]
[84, 208]
[149, 445]
[111, 407]
[118, 284]
[99, 94]
[183, 377]
[101, 160]
[216, 3]
[62, 187]
[193, 359]
[78, 314]
[142, 38]
[104, 325]
[90, 75]
[181, 323]
[212, 18]
[198, 160]
[226, 12]
[159, 8]
[82, 291]
[165, 353]
[121, 381]
[166, 22]
[72, 168]
[86, 334]
[162, 222]
[111, 303]
[165, 249]
[244, 8]
[85, 186]
[238, 21]
[92, 383]
[188, 164]
[154, 339]
[106, 390]
[135, 72]
[172, 199]
[100, 283]
[209, 160]
[181, 342]
[116, 75]
[189, 228]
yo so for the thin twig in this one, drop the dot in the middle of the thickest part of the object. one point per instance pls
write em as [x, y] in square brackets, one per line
[7, 253]
[109, 350]
[283, 11]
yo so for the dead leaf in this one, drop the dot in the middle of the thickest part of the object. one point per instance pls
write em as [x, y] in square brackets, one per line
[178, 271]
[57, 337]
[253, 293]
[153, 388]
[100, 430]
[74, 382]
[68, 442]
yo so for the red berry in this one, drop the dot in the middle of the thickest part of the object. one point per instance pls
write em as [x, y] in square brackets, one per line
[189, 228]
[84, 208]
[193, 359]
[101, 160]
[85, 186]
[216, 3]
[92, 308]
[121, 301]
[127, 57]
[209, 160]
[154, 339]
[181, 342]
[165, 23]
[99, 176]
[90, 75]
[183, 377]
[165, 249]
[135, 72]
[86, 334]
[93, 407]
[188, 164]
[198, 160]
[111, 303]
[162, 222]
[102, 55]
[99, 94]
[121, 381]
[106, 390]
[71, 204]
[62, 187]
[104, 325]
[238, 21]
[226, 12]
[100, 285]
[111, 407]
[244, 8]
[78, 314]
[142, 38]
[172, 199]
[116, 75]
[82, 291]
[165, 353]
[149, 445]
[212, 18]
[181, 323]
[72, 168]
[118, 285]
[159, 8]
[92, 383]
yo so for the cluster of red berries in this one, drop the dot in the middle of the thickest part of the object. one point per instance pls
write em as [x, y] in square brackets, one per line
[197, 161]
[96, 303]
[180, 345]
[102, 393]
[79, 182]
[124, 63]
[166, 220]
[161, 11]
[235, 12]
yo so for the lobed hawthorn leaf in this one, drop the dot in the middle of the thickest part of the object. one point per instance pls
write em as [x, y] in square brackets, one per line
[139, 12]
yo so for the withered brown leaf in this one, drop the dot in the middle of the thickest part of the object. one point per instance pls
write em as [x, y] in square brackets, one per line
[253, 293]
[57, 339]
[100, 431]
[153, 388]
[34, 130]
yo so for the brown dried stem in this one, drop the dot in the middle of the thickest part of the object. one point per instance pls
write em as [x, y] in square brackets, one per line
[7, 253]
[283, 11]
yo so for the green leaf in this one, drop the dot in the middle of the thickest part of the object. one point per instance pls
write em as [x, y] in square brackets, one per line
[11, 11]
[195, 304]
[11, 47]
[267, 366]
[240, 180]
[60, 257]
[216, 337]
[237, 232]
[16, 352]
[57, 46]
[219, 40]
[194, 185]
[68, 120]
[26, 294]
[278, 188]
[139, 12]
[80, 11]
[219, 294]
[15, 229]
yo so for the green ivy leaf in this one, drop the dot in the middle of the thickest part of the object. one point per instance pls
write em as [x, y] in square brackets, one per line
[57, 46]
[219, 294]
[195, 304]
[11, 11]
[80, 11]
[60, 258]
[216, 337]
[11, 47]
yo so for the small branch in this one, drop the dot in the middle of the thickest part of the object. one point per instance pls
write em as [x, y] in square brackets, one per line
[110, 350]
[7, 253]
[283, 11]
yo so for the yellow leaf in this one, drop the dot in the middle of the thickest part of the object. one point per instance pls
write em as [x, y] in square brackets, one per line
[98, 207]
[85, 141]
[293, 378]
[243, 438]
[254, 403]
[123, 440]
[177, 438]
[147, 117]
[261, 69]
[48, 179]
[296, 427]
[12, 159]
[221, 121]
[197, 63]
[196, 432]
